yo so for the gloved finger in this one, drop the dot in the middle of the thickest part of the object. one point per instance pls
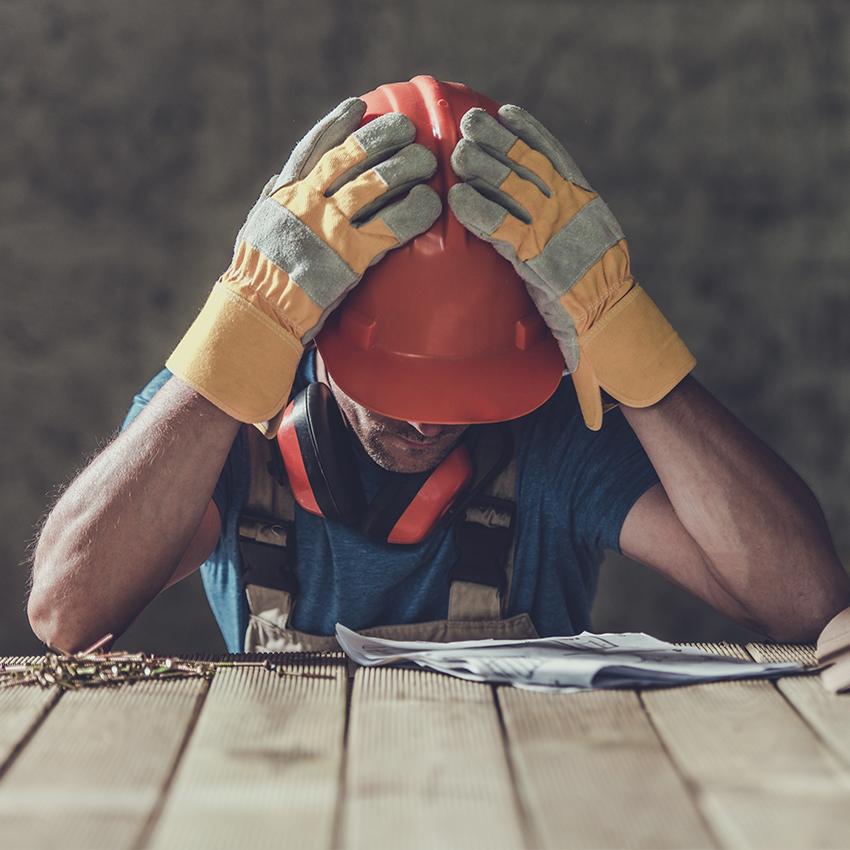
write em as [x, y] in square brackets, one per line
[267, 189]
[401, 221]
[497, 181]
[367, 145]
[332, 130]
[480, 127]
[485, 218]
[538, 138]
[391, 227]
[365, 194]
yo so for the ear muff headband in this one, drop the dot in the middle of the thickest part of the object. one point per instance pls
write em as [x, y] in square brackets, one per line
[433, 499]
[390, 503]
[321, 438]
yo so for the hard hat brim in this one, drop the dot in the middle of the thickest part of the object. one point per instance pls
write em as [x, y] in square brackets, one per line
[448, 391]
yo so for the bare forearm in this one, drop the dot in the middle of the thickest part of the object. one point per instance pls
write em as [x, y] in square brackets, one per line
[757, 523]
[113, 540]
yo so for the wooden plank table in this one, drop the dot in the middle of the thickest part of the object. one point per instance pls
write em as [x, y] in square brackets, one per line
[393, 758]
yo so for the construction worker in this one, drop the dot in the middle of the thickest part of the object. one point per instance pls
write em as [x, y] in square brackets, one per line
[370, 422]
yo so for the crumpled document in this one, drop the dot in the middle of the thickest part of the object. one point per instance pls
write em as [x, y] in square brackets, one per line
[580, 662]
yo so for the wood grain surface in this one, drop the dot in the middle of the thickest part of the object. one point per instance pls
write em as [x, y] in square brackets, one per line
[92, 774]
[758, 771]
[263, 766]
[592, 773]
[399, 758]
[825, 712]
[426, 765]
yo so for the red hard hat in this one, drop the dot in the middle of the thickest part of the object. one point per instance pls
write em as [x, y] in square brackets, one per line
[441, 330]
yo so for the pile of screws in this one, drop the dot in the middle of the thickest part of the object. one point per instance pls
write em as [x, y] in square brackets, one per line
[93, 668]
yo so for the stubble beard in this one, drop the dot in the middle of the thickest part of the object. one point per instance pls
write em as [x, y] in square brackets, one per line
[378, 435]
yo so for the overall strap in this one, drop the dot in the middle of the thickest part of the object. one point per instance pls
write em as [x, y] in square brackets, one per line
[267, 534]
[485, 530]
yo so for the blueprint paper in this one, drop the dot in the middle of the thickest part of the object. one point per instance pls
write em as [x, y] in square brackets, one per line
[562, 664]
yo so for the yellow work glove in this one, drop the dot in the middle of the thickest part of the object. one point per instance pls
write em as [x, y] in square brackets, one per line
[331, 213]
[524, 194]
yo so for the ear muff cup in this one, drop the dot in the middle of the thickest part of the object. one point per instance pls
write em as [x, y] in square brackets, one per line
[328, 459]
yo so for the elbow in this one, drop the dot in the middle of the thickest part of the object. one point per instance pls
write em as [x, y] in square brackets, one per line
[42, 613]
[793, 632]
[40, 607]
[50, 618]
[64, 599]
[810, 614]
[52, 626]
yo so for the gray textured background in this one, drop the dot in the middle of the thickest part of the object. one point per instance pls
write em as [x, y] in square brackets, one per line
[137, 134]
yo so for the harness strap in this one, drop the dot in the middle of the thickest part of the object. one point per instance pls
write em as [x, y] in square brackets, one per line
[267, 537]
[484, 533]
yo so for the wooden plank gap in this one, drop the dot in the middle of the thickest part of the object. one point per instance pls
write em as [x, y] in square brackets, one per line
[751, 649]
[762, 778]
[33, 727]
[833, 754]
[690, 786]
[529, 833]
[262, 766]
[94, 771]
[147, 830]
[336, 832]
[426, 765]
[593, 776]
[823, 712]
[746, 648]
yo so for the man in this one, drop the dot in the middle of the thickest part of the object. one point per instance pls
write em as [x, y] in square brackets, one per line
[418, 367]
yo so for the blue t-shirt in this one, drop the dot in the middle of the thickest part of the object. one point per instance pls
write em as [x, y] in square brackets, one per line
[574, 489]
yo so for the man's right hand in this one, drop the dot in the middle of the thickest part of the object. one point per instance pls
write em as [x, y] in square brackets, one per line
[330, 214]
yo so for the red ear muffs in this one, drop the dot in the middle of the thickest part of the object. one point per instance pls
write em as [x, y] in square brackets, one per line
[323, 475]
[318, 459]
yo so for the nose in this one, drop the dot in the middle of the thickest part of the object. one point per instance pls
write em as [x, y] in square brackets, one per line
[425, 429]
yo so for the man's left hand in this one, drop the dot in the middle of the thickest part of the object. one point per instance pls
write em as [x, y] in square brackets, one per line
[525, 195]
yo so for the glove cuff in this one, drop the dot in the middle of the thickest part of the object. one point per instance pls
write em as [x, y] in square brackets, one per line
[238, 358]
[633, 353]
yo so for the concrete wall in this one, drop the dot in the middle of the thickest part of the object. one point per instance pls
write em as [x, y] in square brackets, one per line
[136, 135]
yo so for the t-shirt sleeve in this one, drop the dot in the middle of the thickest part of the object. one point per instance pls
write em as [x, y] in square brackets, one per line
[144, 396]
[224, 487]
[614, 472]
